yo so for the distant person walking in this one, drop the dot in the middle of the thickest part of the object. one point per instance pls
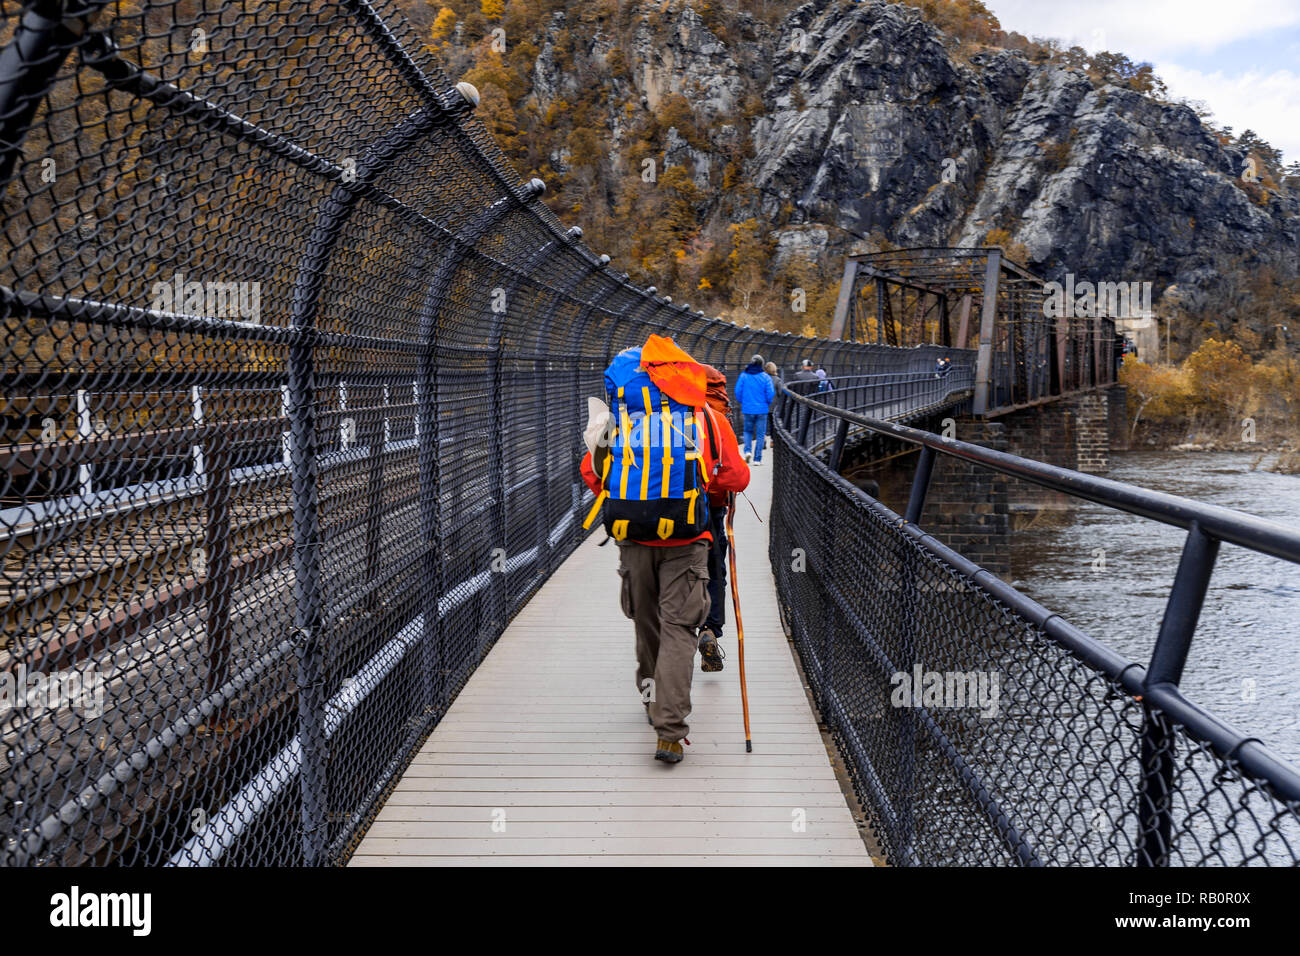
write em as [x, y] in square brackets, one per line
[805, 374]
[824, 383]
[774, 374]
[754, 391]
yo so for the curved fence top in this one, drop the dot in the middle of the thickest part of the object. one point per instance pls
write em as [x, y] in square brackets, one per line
[293, 371]
[313, 153]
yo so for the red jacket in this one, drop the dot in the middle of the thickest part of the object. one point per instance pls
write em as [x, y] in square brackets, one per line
[730, 474]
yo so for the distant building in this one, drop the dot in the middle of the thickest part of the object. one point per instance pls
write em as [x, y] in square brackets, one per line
[1145, 333]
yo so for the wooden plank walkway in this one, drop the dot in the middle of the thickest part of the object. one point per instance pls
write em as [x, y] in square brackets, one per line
[546, 758]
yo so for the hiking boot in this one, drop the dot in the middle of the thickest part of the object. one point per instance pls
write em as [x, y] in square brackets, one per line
[710, 652]
[669, 751]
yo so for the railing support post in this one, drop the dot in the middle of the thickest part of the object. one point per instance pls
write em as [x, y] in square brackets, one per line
[804, 422]
[837, 451]
[580, 325]
[377, 439]
[1183, 610]
[920, 485]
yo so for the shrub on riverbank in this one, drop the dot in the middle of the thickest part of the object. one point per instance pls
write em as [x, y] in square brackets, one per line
[1217, 394]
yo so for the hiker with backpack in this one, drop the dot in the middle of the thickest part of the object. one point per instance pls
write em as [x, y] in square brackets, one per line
[655, 457]
[755, 391]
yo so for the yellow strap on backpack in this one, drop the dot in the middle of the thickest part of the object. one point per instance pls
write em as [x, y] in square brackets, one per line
[595, 509]
[627, 442]
[645, 445]
[600, 498]
[666, 424]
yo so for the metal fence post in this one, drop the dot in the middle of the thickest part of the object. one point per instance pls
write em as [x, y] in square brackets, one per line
[837, 451]
[920, 485]
[307, 600]
[1182, 611]
[581, 322]
[531, 264]
[907, 653]
[304, 465]
[377, 439]
[428, 437]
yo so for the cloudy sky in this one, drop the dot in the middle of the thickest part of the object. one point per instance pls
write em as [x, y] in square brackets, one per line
[1241, 57]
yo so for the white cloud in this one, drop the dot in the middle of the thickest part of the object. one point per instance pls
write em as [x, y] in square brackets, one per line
[1155, 29]
[1170, 32]
[1268, 103]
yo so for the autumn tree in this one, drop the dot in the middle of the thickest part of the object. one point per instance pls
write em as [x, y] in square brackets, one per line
[443, 24]
[498, 116]
[682, 196]
[1220, 377]
[1157, 394]
[747, 266]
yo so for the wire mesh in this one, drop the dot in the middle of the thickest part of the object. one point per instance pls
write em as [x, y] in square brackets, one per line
[980, 733]
[294, 368]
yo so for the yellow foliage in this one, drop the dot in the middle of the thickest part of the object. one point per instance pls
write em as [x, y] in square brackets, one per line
[1221, 375]
[443, 24]
[1215, 387]
[997, 237]
[1156, 393]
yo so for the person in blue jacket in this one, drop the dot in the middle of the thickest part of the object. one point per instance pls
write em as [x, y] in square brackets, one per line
[754, 391]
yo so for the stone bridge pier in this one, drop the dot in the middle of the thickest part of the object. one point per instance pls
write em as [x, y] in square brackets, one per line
[975, 511]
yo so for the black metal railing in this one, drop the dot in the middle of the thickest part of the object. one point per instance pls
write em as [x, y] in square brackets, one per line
[901, 396]
[1061, 751]
[294, 369]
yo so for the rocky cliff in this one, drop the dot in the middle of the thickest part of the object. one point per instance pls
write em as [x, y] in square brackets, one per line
[838, 124]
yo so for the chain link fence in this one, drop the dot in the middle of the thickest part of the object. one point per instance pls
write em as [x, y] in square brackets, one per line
[294, 375]
[978, 727]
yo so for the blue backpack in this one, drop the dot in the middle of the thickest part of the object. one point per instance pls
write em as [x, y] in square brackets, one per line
[653, 479]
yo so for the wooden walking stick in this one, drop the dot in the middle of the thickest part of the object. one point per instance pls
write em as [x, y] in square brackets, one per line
[735, 602]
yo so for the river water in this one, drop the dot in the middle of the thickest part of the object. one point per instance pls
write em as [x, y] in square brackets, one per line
[1109, 573]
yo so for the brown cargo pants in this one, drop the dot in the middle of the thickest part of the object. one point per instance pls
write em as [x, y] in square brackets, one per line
[666, 592]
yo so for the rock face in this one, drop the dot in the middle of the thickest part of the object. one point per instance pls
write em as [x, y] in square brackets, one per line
[692, 62]
[870, 123]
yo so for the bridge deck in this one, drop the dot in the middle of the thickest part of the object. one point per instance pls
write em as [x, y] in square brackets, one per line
[549, 736]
